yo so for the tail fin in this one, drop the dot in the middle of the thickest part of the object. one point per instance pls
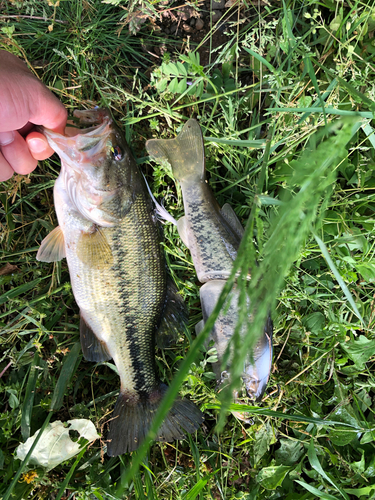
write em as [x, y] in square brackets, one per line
[185, 153]
[133, 417]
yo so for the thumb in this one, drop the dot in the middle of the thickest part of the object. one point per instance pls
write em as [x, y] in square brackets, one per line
[38, 146]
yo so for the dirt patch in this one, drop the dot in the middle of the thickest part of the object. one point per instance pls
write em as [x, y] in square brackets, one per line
[205, 27]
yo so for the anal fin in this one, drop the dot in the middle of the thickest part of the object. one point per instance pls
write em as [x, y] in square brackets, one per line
[93, 349]
[230, 216]
[52, 248]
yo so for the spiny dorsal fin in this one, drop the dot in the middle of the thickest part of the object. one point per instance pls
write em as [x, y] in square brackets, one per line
[93, 249]
[93, 349]
[52, 248]
[230, 216]
[185, 153]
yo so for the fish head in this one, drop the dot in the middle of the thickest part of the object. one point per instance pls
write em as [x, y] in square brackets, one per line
[257, 368]
[96, 167]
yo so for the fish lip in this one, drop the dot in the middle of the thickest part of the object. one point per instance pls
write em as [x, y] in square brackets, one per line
[81, 148]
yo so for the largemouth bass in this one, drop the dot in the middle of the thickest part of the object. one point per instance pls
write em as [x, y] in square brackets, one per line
[110, 236]
[213, 235]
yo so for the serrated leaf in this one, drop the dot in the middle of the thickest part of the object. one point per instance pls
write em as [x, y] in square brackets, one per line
[263, 438]
[272, 477]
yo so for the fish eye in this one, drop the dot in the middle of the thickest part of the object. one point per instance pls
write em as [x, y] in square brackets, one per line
[116, 153]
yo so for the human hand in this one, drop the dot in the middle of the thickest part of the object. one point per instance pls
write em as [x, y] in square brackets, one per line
[25, 101]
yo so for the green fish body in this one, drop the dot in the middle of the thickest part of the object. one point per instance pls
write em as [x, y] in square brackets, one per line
[111, 239]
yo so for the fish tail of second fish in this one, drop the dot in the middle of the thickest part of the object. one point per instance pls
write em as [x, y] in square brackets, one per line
[185, 153]
[134, 414]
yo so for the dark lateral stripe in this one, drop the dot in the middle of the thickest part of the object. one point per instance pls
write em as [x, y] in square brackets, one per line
[141, 282]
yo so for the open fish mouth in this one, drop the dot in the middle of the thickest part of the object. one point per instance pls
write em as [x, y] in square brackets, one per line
[80, 145]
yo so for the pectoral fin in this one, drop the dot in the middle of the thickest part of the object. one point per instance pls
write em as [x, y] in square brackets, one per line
[182, 230]
[93, 249]
[230, 216]
[185, 153]
[199, 327]
[52, 248]
[93, 349]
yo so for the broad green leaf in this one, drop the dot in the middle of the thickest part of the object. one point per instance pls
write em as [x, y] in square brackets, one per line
[366, 270]
[315, 322]
[289, 453]
[272, 477]
[173, 86]
[359, 350]
[361, 492]
[264, 437]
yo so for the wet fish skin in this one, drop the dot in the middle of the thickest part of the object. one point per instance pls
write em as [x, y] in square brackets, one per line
[213, 236]
[257, 367]
[111, 239]
[205, 229]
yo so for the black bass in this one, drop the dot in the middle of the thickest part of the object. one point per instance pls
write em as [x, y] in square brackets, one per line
[111, 238]
[213, 235]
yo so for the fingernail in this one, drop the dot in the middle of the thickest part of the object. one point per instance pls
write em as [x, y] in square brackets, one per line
[6, 138]
[36, 145]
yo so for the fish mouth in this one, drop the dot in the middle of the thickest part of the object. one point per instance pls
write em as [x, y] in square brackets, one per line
[81, 145]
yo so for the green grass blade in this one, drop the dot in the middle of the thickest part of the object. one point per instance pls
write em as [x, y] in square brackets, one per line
[261, 60]
[65, 377]
[27, 407]
[315, 491]
[70, 473]
[328, 109]
[198, 487]
[315, 464]
[259, 143]
[337, 275]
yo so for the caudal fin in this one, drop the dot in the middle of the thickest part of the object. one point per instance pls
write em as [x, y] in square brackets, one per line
[185, 153]
[133, 416]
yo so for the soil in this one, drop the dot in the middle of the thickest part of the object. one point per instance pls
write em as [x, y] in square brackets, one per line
[186, 24]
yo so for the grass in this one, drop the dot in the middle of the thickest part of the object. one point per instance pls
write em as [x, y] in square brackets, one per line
[286, 107]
